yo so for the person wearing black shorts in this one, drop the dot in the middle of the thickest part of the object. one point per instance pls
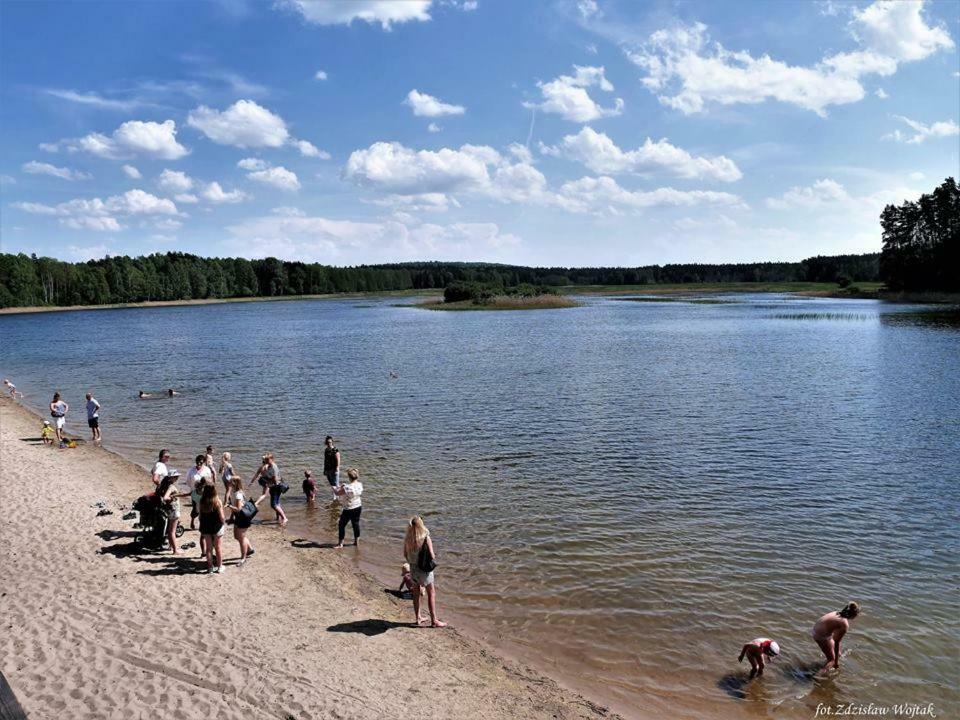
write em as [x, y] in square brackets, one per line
[331, 462]
[93, 417]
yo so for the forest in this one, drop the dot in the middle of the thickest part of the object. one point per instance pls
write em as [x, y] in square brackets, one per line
[921, 242]
[921, 251]
[28, 280]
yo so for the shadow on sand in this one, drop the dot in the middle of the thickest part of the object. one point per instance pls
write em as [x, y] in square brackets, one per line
[304, 544]
[368, 627]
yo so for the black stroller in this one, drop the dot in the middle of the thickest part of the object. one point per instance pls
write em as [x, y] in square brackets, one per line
[153, 522]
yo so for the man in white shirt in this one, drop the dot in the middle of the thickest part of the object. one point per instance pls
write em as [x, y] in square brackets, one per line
[93, 417]
[197, 476]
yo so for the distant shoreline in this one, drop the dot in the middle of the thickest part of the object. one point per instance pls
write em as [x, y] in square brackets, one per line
[866, 291]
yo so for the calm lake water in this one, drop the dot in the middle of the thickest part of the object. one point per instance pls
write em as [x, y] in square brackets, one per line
[625, 492]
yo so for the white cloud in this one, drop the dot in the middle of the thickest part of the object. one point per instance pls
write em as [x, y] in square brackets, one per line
[320, 75]
[822, 192]
[215, 194]
[469, 5]
[174, 181]
[186, 198]
[603, 194]
[567, 96]
[601, 155]
[308, 149]
[134, 137]
[434, 128]
[917, 175]
[91, 252]
[344, 12]
[252, 164]
[922, 133]
[167, 224]
[278, 177]
[320, 239]
[49, 147]
[93, 99]
[588, 8]
[288, 211]
[398, 169]
[687, 72]
[97, 214]
[131, 172]
[521, 153]
[881, 93]
[898, 30]
[40, 168]
[424, 105]
[244, 124]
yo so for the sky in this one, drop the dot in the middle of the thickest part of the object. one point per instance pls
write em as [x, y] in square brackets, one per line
[550, 132]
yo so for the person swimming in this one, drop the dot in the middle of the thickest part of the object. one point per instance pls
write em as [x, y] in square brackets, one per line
[829, 631]
[756, 650]
[171, 392]
[143, 395]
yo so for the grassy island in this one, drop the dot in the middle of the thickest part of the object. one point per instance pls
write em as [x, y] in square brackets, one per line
[490, 296]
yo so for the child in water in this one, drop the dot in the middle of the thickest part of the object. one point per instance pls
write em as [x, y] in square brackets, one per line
[46, 432]
[309, 486]
[829, 631]
[755, 651]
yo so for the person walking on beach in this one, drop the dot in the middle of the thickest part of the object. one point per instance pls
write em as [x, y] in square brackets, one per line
[269, 478]
[160, 471]
[58, 411]
[331, 462]
[241, 523]
[349, 496]
[212, 525]
[93, 417]
[829, 631]
[227, 472]
[170, 495]
[198, 476]
[755, 651]
[419, 553]
[211, 462]
[12, 389]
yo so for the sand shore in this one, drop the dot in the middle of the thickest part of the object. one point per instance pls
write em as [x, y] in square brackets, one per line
[95, 628]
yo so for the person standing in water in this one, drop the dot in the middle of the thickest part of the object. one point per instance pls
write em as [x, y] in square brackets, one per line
[416, 538]
[93, 417]
[58, 411]
[349, 496]
[331, 462]
[829, 631]
[755, 651]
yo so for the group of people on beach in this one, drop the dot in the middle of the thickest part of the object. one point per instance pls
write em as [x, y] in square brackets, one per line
[237, 508]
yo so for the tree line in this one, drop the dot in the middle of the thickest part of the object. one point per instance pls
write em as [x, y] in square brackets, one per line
[921, 242]
[28, 280]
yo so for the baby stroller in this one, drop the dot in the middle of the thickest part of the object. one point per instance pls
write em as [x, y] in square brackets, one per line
[153, 522]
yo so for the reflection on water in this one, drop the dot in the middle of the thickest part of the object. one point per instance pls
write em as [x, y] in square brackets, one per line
[627, 492]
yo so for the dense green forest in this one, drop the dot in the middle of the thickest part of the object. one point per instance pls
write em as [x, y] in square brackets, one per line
[921, 242]
[30, 280]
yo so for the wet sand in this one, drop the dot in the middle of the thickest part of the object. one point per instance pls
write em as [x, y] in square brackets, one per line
[96, 628]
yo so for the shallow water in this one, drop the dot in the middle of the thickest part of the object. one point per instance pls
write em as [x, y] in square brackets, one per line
[626, 492]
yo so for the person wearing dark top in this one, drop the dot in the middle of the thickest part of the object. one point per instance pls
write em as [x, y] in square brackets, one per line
[331, 462]
[212, 524]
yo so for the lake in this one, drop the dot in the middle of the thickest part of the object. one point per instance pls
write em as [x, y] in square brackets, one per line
[623, 493]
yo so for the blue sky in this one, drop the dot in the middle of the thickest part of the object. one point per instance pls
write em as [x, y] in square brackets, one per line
[571, 132]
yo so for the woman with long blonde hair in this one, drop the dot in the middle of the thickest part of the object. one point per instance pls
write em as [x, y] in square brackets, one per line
[226, 471]
[212, 524]
[416, 539]
[241, 523]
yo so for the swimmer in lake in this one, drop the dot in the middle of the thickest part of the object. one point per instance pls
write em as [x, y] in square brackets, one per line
[829, 631]
[755, 651]
[143, 394]
[171, 392]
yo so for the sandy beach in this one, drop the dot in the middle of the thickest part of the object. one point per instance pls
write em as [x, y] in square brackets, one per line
[95, 628]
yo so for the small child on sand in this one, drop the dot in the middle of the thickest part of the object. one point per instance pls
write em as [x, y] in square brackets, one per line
[756, 650]
[46, 432]
[406, 580]
[12, 389]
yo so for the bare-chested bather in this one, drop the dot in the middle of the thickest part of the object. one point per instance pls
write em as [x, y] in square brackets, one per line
[830, 629]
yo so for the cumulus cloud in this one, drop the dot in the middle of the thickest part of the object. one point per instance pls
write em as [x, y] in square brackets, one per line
[320, 75]
[308, 149]
[252, 164]
[477, 169]
[278, 177]
[174, 181]
[434, 128]
[131, 172]
[881, 93]
[687, 72]
[314, 238]
[245, 124]
[134, 137]
[424, 105]
[601, 155]
[922, 133]
[822, 192]
[588, 9]
[215, 194]
[186, 198]
[41, 168]
[98, 214]
[567, 96]
[344, 12]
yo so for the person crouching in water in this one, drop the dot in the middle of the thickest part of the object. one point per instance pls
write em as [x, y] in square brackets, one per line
[755, 651]
[309, 486]
[829, 631]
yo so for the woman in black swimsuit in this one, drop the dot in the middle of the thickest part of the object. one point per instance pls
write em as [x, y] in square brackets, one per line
[212, 524]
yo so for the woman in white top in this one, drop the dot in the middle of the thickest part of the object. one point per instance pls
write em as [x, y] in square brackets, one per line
[349, 496]
[416, 538]
[241, 523]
